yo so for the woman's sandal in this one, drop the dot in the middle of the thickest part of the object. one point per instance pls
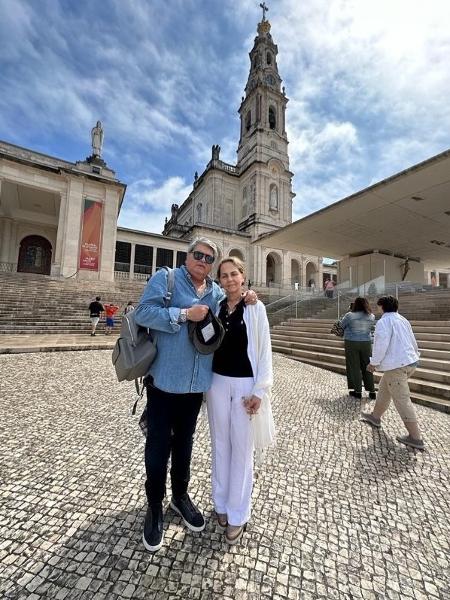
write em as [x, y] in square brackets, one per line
[234, 532]
[222, 520]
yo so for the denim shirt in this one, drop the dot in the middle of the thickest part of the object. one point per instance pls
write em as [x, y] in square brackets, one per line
[178, 368]
[358, 326]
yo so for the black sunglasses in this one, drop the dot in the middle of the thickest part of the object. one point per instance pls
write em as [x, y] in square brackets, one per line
[202, 256]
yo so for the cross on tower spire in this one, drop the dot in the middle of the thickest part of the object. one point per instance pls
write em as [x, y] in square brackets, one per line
[264, 9]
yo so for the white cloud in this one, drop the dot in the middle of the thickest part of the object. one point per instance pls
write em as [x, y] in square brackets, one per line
[368, 86]
[147, 204]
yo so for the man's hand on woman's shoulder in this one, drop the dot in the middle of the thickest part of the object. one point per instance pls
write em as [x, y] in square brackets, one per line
[250, 297]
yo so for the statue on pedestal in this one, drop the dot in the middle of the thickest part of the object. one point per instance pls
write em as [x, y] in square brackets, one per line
[215, 152]
[97, 139]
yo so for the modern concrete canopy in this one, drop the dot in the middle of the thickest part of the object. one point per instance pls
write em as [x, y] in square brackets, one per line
[406, 215]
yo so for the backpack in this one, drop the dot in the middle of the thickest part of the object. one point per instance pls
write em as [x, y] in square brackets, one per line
[135, 349]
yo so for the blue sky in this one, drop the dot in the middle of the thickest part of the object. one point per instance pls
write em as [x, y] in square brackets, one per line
[368, 84]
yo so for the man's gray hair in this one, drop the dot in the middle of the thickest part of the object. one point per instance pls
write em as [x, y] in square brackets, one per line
[205, 242]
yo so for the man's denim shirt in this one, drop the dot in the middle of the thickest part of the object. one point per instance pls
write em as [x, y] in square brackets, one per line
[178, 368]
[358, 326]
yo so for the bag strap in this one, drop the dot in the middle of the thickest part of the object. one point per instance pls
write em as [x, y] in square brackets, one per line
[170, 286]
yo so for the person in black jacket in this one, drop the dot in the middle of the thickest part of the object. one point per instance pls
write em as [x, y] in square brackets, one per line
[95, 310]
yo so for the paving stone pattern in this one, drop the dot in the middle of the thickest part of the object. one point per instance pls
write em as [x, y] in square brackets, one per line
[340, 510]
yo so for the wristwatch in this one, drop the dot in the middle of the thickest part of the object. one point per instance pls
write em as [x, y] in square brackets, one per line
[183, 316]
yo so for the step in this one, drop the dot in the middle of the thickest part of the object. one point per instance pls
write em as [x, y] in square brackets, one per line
[329, 345]
[440, 375]
[317, 356]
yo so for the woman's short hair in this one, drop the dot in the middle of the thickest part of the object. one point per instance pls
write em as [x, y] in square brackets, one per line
[360, 304]
[237, 262]
[388, 303]
[204, 242]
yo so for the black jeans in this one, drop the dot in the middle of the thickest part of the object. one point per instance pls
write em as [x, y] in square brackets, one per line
[171, 425]
[357, 357]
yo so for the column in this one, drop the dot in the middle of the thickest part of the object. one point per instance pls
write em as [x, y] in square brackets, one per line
[174, 259]
[108, 252]
[6, 241]
[155, 249]
[132, 256]
[60, 234]
[71, 240]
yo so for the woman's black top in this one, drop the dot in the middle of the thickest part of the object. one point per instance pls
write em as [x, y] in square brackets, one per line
[231, 357]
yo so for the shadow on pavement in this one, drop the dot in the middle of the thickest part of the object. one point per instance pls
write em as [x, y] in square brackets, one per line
[105, 559]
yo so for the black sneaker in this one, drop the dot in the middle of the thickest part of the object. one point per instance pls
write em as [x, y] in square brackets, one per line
[355, 394]
[372, 395]
[192, 517]
[152, 537]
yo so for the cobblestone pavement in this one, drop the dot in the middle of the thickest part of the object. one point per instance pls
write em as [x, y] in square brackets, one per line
[340, 510]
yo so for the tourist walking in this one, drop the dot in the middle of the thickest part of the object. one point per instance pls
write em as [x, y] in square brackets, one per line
[396, 354]
[95, 310]
[358, 325]
[179, 376]
[240, 392]
[329, 288]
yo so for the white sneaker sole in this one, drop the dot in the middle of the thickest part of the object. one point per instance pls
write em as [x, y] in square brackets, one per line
[152, 548]
[188, 525]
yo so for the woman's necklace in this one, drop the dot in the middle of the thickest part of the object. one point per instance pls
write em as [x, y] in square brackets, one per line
[231, 306]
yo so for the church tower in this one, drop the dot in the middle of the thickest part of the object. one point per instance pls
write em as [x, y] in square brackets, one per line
[263, 161]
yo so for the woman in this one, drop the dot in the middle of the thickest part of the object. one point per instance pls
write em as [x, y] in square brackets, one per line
[358, 325]
[239, 410]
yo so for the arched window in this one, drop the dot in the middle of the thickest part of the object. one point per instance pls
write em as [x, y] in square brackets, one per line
[272, 118]
[248, 120]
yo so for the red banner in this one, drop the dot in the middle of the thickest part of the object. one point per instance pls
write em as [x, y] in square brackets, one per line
[91, 235]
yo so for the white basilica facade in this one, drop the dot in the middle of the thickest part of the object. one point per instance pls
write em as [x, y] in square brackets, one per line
[60, 218]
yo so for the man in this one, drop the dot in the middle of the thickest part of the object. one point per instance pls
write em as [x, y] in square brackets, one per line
[95, 310]
[179, 376]
[396, 354]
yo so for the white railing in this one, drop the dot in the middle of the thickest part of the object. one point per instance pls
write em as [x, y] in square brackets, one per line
[7, 267]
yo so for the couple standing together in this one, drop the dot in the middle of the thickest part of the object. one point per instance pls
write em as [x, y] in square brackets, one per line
[237, 380]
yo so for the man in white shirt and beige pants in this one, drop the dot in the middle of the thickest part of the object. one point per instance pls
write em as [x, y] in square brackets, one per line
[396, 354]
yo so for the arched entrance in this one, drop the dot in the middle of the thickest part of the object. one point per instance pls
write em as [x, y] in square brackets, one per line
[35, 255]
[237, 253]
[310, 272]
[273, 269]
[295, 272]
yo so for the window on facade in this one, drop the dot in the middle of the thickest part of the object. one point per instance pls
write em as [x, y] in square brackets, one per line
[181, 258]
[269, 58]
[272, 118]
[248, 120]
[143, 258]
[164, 257]
[123, 256]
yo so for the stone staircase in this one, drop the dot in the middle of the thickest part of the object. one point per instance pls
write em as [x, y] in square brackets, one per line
[310, 341]
[36, 304]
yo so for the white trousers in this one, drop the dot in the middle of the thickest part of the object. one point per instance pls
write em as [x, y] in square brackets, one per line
[232, 447]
